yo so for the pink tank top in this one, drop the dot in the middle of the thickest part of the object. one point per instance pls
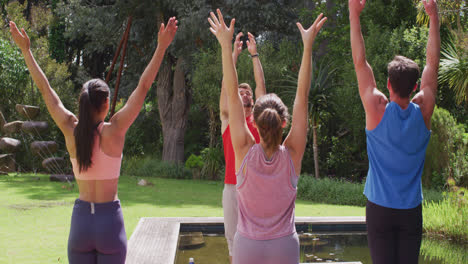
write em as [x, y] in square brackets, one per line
[266, 194]
[103, 167]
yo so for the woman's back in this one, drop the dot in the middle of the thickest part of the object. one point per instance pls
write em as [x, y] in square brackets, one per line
[98, 183]
[266, 194]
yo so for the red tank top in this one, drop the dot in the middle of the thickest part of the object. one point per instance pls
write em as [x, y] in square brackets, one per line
[229, 157]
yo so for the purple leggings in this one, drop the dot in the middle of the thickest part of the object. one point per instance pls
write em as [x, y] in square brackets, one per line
[97, 234]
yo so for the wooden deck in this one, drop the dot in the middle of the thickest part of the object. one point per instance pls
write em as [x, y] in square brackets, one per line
[155, 238]
[154, 241]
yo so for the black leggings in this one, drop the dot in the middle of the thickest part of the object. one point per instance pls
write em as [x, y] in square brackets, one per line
[393, 235]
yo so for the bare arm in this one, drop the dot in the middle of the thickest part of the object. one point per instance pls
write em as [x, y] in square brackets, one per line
[242, 140]
[372, 99]
[260, 88]
[62, 117]
[122, 120]
[426, 97]
[297, 137]
[223, 99]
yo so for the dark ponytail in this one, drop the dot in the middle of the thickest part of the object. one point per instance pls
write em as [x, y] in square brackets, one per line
[93, 95]
[269, 114]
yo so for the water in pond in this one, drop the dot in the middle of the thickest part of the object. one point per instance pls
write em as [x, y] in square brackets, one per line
[331, 247]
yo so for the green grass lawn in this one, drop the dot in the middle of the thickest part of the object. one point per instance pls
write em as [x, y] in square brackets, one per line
[35, 213]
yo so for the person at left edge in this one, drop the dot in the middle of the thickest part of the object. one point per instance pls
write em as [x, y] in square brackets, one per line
[97, 232]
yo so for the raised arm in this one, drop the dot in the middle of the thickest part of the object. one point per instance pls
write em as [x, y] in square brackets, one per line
[242, 139]
[425, 98]
[297, 137]
[62, 117]
[260, 88]
[371, 97]
[223, 99]
[122, 120]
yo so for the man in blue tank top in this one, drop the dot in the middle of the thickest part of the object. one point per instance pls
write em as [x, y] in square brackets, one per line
[398, 132]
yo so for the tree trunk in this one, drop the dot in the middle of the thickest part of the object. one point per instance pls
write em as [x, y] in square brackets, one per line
[213, 126]
[316, 162]
[173, 105]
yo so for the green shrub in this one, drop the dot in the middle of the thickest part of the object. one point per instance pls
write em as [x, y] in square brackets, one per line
[212, 163]
[153, 167]
[194, 162]
[338, 191]
[432, 195]
[447, 152]
[447, 218]
[330, 191]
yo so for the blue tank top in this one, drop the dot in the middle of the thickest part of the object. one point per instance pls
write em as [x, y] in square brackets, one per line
[396, 149]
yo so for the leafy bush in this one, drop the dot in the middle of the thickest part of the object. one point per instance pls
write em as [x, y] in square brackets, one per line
[213, 163]
[337, 191]
[447, 218]
[194, 162]
[153, 167]
[330, 191]
[14, 76]
[447, 152]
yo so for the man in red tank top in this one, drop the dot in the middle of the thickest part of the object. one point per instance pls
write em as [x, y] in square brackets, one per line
[245, 91]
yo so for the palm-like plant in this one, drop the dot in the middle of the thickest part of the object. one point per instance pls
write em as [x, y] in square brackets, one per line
[453, 70]
[450, 12]
[320, 100]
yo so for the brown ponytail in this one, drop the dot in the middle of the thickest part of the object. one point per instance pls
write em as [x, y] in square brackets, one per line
[93, 95]
[269, 115]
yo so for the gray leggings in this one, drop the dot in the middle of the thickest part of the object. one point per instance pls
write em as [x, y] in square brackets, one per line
[283, 250]
[230, 214]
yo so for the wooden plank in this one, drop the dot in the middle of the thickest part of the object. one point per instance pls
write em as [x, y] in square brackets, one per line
[355, 262]
[332, 220]
[153, 241]
[299, 220]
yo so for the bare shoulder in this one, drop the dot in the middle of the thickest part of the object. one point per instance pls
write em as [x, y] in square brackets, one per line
[68, 128]
[425, 99]
[112, 142]
[110, 130]
[375, 109]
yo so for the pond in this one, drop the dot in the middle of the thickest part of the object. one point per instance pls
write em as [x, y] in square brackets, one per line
[209, 248]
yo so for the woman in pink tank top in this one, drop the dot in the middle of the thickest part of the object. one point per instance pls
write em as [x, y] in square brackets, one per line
[267, 173]
[97, 232]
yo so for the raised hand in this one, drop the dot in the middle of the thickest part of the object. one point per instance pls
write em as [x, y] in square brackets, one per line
[21, 38]
[356, 6]
[237, 46]
[220, 30]
[166, 33]
[308, 35]
[251, 44]
[431, 8]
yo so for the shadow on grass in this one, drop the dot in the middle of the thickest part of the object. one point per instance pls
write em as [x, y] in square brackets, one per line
[36, 187]
[162, 192]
